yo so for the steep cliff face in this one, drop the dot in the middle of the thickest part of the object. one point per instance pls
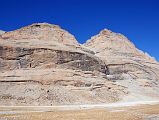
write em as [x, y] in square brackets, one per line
[42, 64]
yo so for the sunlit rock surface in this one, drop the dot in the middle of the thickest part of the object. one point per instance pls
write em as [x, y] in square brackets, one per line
[42, 64]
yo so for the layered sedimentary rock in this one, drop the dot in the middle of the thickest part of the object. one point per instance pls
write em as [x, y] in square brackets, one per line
[42, 64]
[127, 65]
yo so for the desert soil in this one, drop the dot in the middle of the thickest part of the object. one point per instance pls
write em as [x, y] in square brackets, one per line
[138, 112]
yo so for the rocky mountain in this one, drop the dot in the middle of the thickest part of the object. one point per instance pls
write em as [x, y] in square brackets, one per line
[42, 64]
[127, 65]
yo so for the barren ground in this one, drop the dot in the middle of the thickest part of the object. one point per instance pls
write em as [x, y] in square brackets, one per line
[138, 112]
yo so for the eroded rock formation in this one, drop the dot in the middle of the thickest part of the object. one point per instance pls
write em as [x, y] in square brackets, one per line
[42, 64]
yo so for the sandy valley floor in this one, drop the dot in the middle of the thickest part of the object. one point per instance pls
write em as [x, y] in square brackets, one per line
[138, 112]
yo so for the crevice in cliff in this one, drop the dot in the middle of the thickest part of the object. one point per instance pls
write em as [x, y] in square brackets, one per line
[19, 81]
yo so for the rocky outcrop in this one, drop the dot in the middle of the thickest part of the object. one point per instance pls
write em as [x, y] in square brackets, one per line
[17, 58]
[127, 65]
[42, 64]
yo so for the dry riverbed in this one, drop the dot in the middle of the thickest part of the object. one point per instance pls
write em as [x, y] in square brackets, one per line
[138, 112]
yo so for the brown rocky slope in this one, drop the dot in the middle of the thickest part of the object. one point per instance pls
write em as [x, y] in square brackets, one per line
[42, 64]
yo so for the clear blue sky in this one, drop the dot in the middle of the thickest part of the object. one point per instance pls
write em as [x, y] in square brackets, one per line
[137, 19]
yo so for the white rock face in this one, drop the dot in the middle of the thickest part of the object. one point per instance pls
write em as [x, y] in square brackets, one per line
[42, 64]
[2, 32]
